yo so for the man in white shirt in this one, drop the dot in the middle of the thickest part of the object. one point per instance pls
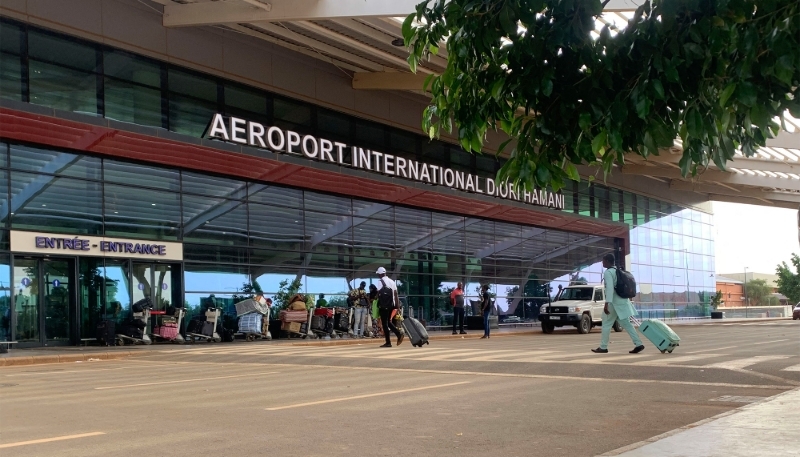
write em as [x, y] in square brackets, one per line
[388, 304]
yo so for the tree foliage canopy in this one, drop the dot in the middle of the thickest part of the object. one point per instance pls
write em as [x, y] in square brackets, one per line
[757, 292]
[788, 281]
[714, 73]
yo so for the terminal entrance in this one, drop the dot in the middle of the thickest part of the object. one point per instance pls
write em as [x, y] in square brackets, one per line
[44, 301]
[154, 281]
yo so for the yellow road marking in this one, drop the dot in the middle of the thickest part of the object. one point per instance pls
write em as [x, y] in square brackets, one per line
[183, 380]
[357, 397]
[49, 440]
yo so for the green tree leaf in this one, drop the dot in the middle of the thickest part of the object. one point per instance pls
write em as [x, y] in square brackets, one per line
[726, 94]
[714, 73]
[599, 142]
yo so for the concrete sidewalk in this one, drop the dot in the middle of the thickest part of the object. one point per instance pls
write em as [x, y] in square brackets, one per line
[62, 354]
[768, 428]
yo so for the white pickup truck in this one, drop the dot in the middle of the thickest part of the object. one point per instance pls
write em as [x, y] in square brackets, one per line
[580, 306]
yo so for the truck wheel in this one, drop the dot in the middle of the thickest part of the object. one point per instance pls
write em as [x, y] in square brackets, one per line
[548, 327]
[585, 325]
[617, 328]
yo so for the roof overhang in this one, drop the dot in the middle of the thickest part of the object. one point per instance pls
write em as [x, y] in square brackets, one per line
[357, 36]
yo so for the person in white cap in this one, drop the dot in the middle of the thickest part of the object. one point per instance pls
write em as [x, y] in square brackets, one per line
[388, 301]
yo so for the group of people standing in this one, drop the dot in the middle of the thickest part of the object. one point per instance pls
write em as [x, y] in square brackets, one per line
[457, 299]
[368, 309]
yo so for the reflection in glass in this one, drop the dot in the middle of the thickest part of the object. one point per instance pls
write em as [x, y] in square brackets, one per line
[140, 175]
[63, 88]
[26, 299]
[117, 289]
[220, 278]
[130, 102]
[90, 294]
[46, 161]
[41, 202]
[5, 298]
[141, 213]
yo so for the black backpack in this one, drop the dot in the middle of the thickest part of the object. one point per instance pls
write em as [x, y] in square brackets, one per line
[626, 284]
[385, 297]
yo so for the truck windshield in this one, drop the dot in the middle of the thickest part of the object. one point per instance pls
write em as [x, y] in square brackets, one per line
[577, 293]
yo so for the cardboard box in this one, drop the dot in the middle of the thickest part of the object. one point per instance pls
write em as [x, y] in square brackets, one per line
[293, 327]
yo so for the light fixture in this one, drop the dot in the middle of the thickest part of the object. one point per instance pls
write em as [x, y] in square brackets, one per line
[399, 42]
[44, 205]
[152, 204]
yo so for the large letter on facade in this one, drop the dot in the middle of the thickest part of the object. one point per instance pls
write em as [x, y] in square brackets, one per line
[218, 129]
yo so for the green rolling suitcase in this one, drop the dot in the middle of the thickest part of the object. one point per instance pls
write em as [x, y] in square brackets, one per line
[660, 335]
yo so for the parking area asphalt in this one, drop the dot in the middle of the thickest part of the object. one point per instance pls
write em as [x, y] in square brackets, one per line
[530, 394]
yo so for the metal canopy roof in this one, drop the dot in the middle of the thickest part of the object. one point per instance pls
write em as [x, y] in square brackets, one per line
[357, 36]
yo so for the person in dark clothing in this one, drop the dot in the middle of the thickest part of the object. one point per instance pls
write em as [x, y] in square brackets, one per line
[486, 309]
[388, 310]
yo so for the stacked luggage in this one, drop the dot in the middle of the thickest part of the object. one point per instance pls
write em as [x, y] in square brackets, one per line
[322, 322]
[253, 317]
[132, 329]
[168, 323]
[341, 322]
[295, 319]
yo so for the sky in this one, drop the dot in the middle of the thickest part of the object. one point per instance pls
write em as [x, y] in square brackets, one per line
[756, 237]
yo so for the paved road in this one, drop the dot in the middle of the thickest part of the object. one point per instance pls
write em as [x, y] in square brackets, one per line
[516, 395]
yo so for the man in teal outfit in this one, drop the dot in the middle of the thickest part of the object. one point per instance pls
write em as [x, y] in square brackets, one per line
[616, 309]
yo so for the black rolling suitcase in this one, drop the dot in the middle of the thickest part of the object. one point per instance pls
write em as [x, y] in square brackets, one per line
[416, 331]
[341, 321]
[107, 332]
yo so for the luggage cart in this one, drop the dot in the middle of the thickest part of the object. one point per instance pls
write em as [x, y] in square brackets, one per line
[209, 330]
[246, 312]
[134, 330]
[296, 327]
[322, 323]
[168, 332]
[341, 323]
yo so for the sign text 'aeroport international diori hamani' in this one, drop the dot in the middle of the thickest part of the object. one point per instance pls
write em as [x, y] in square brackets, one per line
[255, 134]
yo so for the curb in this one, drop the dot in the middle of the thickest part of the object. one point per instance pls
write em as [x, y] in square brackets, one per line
[726, 321]
[117, 355]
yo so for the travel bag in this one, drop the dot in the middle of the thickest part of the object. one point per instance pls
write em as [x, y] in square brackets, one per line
[325, 312]
[208, 329]
[250, 306]
[341, 322]
[195, 325]
[659, 333]
[250, 323]
[168, 331]
[107, 332]
[415, 331]
[322, 323]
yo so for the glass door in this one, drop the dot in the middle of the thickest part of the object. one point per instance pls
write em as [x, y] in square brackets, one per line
[44, 301]
[153, 280]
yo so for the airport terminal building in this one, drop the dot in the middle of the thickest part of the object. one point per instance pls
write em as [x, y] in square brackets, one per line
[138, 160]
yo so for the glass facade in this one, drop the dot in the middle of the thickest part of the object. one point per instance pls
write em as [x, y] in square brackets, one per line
[235, 231]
